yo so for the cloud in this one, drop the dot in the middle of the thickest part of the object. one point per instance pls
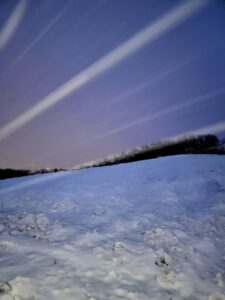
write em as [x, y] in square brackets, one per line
[40, 36]
[12, 23]
[146, 36]
[162, 113]
[209, 129]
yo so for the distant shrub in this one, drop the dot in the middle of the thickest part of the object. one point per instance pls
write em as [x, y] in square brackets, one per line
[202, 144]
[10, 173]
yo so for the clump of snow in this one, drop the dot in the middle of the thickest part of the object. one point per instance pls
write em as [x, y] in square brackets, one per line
[147, 230]
[36, 226]
[118, 245]
[63, 206]
[7, 246]
[19, 288]
[1, 228]
[99, 211]
[217, 296]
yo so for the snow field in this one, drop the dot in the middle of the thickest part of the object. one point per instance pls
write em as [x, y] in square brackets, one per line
[147, 230]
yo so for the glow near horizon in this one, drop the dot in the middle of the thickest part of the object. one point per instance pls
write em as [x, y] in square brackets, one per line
[155, 30]
[209, 129]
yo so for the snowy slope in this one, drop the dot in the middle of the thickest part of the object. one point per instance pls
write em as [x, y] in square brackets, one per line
[147, 230]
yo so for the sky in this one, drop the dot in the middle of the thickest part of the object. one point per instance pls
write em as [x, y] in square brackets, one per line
[83, 79]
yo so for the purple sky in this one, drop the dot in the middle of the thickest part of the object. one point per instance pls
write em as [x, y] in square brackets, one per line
[56, 39]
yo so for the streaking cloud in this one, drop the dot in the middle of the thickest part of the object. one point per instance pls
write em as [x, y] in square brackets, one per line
[146, 84]
[210, 129]
[148, 35]
[172, 109]
[151, 80]
[39, 37]
[161, 114]
[12, 23]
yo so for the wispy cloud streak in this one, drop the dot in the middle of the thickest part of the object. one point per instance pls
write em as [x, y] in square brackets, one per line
[181, 107]
[153, 79]
[209, 129]
[152, 32]
[37, 39]
[162, 113]
[146, 84]
[12, 23]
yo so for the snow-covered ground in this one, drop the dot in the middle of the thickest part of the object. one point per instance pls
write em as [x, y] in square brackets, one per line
[146, 230]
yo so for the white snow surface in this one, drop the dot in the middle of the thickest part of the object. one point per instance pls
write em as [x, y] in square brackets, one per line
[153, 229]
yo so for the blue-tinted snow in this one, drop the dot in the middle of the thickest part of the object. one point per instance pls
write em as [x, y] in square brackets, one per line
[146, 230]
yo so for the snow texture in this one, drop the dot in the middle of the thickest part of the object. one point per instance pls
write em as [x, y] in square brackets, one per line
[147, 230]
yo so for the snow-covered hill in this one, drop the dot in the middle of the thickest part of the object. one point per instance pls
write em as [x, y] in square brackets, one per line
[148, 230]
